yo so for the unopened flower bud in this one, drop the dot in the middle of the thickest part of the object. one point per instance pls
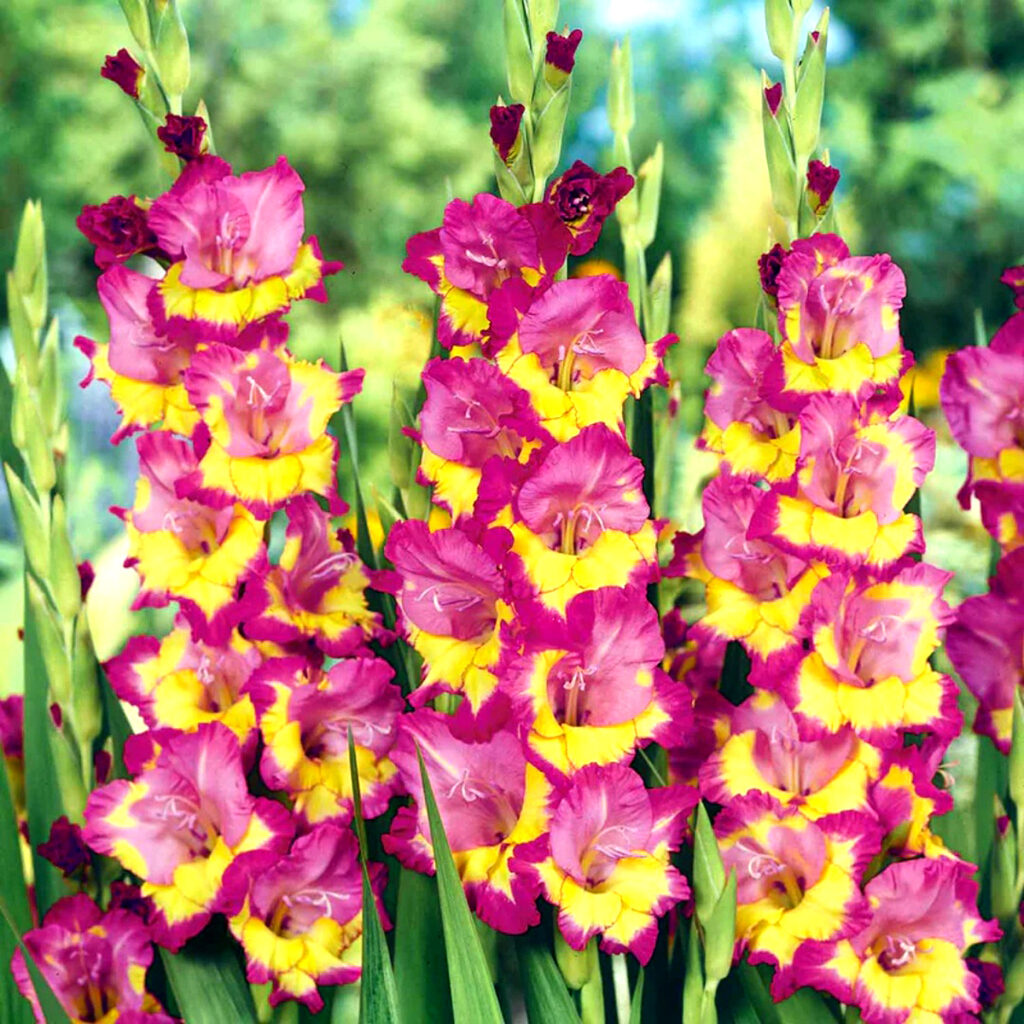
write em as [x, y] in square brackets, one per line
[560, 57]
[773, 97]
[124, 71]
[505, 130]
[821, 183]
[65, 848]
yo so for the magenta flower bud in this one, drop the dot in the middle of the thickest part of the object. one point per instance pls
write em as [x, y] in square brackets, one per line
[65, 849]
[769, 264]
[101, 762]
[86, 575]
[821, 183]
[118, 228]
[773, 96]
[12, 715]
[505, 123]
[124, 896]
[990, 977]
[561, 50]
[124, 71]
[185, 137]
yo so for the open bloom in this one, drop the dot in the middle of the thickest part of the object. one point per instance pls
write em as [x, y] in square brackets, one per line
[179, 824]
[305, 715]
[491, 801]
[118, 228]
[906, 962]
[300, 922]
[839, 318]
[590, 685]
[605, 860]
[479, 246]
[797, 879]
[236, 246]
[95, 963]
[316, 591]
[583, 199]
[186, 551]
[265, 416]
[868, 666]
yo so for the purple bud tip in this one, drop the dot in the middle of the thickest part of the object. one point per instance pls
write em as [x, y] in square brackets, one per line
[773, 96]
[86, 576]
[815, 36]
[505, 122]
[65, 849]
[821, 183]
[57, 715]
[561, 51]
[101, 762]
[124, 71]
[769, 264]
[183, 136]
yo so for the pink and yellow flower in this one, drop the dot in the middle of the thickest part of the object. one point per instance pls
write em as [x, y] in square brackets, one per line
[491, 801]
[95, 963]
[604, 861]
[797, 879]
[305, 715]
[300, 922]
[265, 416]
[181, 822]
[186, 551]
[236, 248]
[906, 963]
[317, 589]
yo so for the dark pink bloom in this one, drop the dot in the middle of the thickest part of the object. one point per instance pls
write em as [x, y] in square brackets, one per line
[769, 264]
[124, 71]
[124, 896]
[984, 644]
[821, 183]
[183, 136]
[505, 122]
[473, 412]
[12, 719]
[583, 199]
[1014, 278]
[117, 228]
[95, 963]
[65, 849]
[581, 488]
[490, 801]
[561, 50]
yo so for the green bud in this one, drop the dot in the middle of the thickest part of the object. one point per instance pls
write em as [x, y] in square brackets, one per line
[203, 112]
[386, 511]
[30, 264]
[779, 155]
[542, 15]
[518, 52]
[51, 391]
[170, 47]
[24, 336]
[621, 108]
[32, 524]
[29, 433]
[52, 646]
[1005, 900]
[1013, 976]
[649, 186]
[403, 452]
[720, 933]
[810, 93]
[778, 19]
[69, 775]
[800, 8]
[577, 965]
[659, 300]
[546, 144]
[511, 189]
[138, 21]
[693, 978]
[1017, 755]
[86, 701]
[65, 582]
[708, 870]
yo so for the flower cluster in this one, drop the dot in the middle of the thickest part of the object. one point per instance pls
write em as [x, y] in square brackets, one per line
[267, 670]
[812, 564]
[531, 605]
[982, 395]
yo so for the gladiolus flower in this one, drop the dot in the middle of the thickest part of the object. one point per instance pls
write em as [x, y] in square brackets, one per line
[301, 919]
[185, 137]
[65, 849]
[180, 823]
[821, 183]
[491, 802]
[605, 860]
[505, 122]
[124, 71]
[583, 199]
[94, 962]
[118, 228]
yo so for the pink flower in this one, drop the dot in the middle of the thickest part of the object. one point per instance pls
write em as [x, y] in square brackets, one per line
[118, 228]
[605, 861]
[583, 200]
[982, 395]
[124, 71]
[181, 822]
[185, 137]
[94, 962]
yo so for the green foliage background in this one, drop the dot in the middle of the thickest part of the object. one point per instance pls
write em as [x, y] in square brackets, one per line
[382, 107]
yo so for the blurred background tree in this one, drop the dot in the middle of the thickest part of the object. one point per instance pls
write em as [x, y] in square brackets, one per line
[381, 105]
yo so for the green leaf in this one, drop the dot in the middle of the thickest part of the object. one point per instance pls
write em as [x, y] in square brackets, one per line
[13, 894]
[378, 1001]
[42, 790]
[421, 970]
[720, 933]
[547, 998]
[473, 997]
[115, 725]
[708, 871]
[208, 983]
[637, 1002]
